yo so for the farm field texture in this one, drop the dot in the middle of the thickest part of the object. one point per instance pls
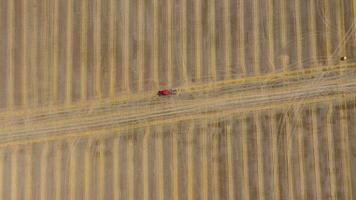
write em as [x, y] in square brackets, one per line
[265, 108]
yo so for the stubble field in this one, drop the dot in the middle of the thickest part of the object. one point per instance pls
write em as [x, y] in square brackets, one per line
[265, 108]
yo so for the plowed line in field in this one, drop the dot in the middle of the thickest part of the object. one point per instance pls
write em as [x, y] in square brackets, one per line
[112, 46]
[184, 90]
[298, 30]
[34, 53]
[45, 55]
[346, 177]
[83, 49]
[72, 171]
[69, 52]
[313, 35]
[241, 39]
[141, 44]
[10, 54]
[130, 169]
[341, 27]
[87, 170]
[57, 172]
[274, 142]
[215, 163]
[126, 46]
[24, 63]
[145, 163]
[316, 154]
[327, 32]
[229, 164]
[101, 171]
[260, 173]
[2, 162]
[190, 166]
[256, 36]
[155, 43]
[245, 167]
[204, 176]
[289, 134]
[354, 16]
[301, 151]
[175, 167]
[331, 152]
[212, 39]
[183, 35]
[97, 48]
[43, 173]
[283, 30]
[159, 164]
[28, 174]
[14, 172]
[198, 39]
[227, 36]
[116, 170]
[55, 52]
[169, 43]
[270, 36]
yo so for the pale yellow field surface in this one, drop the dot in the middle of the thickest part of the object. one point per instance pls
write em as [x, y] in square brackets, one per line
[265, 105]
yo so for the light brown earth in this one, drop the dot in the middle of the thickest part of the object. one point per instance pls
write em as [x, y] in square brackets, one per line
[266, 109]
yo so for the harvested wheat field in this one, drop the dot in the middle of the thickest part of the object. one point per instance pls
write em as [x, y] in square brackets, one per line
[265, 102]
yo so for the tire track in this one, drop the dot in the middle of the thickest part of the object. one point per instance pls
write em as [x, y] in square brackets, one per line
[9, 118]
[322, 72]
[168, 106]
[197, 106]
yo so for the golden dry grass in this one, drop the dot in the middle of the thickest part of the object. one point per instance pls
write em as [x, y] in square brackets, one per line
[266, 108]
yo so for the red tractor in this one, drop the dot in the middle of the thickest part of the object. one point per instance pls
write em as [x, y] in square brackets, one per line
[167, 92]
